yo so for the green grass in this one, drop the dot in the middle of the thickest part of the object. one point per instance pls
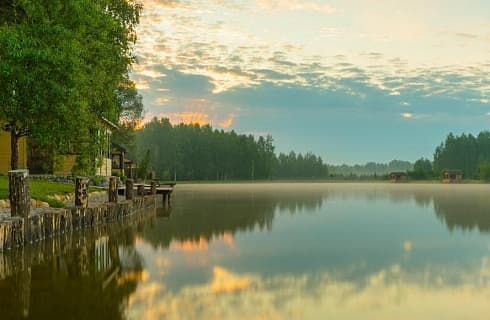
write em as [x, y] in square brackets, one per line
[41, 190]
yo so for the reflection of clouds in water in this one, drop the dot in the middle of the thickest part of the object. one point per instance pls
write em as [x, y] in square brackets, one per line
[389, 293]
[202, 243]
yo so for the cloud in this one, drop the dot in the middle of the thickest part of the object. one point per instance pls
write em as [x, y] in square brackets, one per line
[228, 122]
[466, 35]
[276, 71]
[305, 5]
[187, 117]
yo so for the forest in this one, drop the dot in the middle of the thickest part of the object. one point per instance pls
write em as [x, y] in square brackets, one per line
[466, 152]
[194, 152]
[370, 168]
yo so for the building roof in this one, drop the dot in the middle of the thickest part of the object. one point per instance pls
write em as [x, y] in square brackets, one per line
[119, 147]
[108, 123]
[457, 171]
[398, 173]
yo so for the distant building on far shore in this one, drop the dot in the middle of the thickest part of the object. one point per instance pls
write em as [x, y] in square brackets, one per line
[452, 176]
[398, 176]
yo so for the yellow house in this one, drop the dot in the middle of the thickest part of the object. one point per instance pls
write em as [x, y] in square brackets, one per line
[5, 152]
[64, 163]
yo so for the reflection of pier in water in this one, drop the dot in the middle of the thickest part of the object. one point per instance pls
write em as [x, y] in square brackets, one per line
[85, 274]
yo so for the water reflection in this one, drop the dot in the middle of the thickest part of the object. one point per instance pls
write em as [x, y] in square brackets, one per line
[390, 293]
[317, 251]
[202, 214]
[217, 212]
[87, 274]
[270, 251]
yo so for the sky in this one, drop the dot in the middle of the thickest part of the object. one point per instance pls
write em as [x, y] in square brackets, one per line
[350, 80]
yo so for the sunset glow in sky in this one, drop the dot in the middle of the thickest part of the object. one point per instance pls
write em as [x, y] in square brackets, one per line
[350, 80]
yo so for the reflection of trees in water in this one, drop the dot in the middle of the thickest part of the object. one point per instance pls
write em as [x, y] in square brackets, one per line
[463, 210]
[210, 214]
[77, 276]
[459, 206]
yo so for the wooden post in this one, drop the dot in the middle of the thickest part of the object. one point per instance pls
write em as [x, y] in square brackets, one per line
[153, 188]
[81, 192]
[20, 199]
[141, 189]
[113, 189]
[129, 189]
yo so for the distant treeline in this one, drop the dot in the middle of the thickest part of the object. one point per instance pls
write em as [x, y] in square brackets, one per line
[370, 168]
[194, 152]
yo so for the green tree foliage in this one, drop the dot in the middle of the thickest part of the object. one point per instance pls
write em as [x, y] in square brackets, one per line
[370, 168]
[292, 166]
[194, 152]
[422, 169]
[61, 65]
[464, 152]
[130, 112]
[484, 171]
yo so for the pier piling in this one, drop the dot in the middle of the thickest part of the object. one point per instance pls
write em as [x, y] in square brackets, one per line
[81, 192]
[129, 189]
[113, 189]
[20, 199]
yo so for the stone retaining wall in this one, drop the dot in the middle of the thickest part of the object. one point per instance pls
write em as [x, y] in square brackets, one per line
[12, 261]
[49, 223]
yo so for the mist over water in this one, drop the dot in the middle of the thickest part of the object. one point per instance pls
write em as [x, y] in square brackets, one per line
[273, 251]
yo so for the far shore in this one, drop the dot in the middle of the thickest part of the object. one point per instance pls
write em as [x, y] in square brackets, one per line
[469, 181]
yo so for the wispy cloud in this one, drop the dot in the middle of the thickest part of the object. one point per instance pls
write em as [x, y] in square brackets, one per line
[295, 63]
[296, 5]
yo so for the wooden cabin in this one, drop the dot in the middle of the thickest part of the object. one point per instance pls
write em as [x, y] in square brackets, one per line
[5, 152]
[452, 176]
[398, 177]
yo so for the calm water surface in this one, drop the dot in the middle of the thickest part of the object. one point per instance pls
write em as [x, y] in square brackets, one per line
[270, 251]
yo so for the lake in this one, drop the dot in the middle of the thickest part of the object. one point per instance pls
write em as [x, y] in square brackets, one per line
[269, 251]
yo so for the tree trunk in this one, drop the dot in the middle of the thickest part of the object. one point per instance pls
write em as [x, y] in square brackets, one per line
[14, 150]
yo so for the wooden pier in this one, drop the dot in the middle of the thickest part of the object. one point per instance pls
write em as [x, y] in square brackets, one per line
[141, 189]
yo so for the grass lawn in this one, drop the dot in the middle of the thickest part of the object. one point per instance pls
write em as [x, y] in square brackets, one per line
[40, 190]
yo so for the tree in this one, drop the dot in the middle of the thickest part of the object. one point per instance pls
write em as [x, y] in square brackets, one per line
[464, 152]
[422, 169]
[61, 63]
[484, 171]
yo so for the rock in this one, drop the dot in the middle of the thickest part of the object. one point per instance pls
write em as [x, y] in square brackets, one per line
[44, 205]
